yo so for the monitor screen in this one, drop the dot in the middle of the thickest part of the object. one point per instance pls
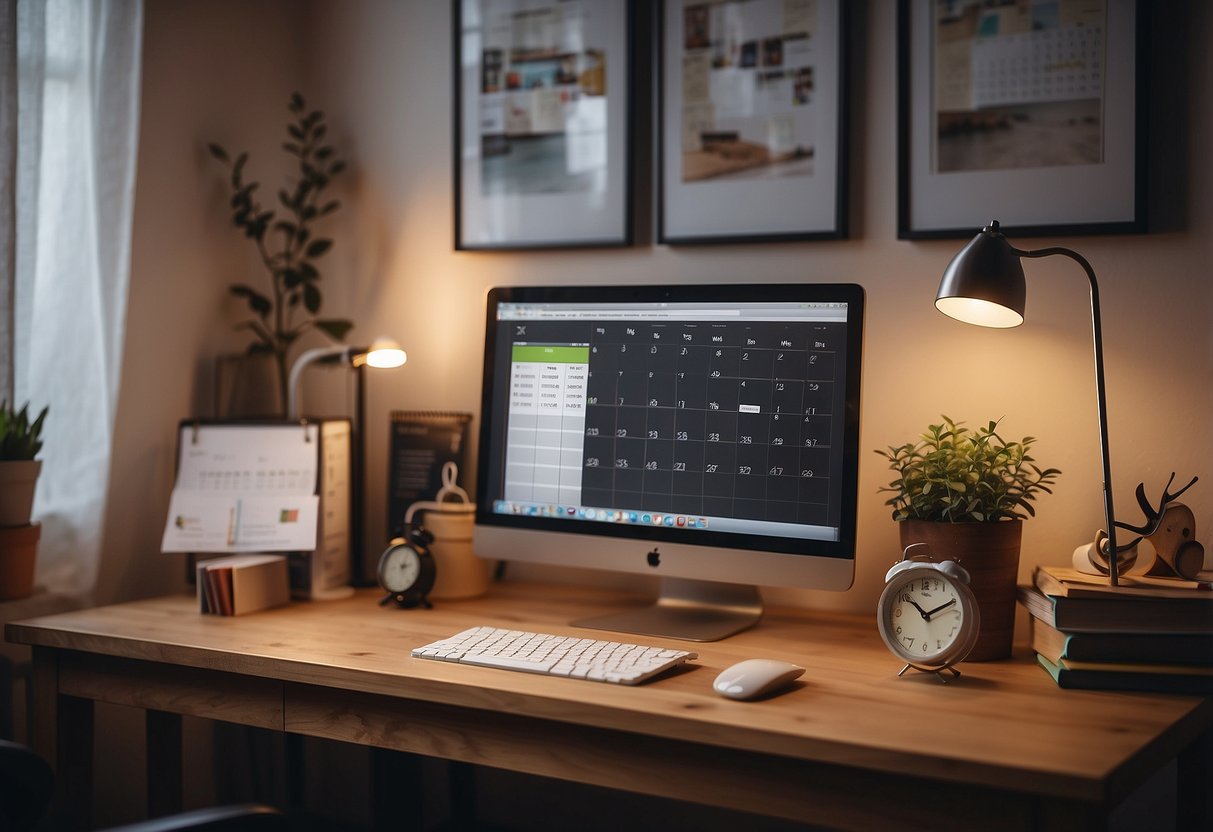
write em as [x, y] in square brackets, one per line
[702, 433]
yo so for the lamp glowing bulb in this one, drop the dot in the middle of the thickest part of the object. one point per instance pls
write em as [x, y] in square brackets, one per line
[383, 353]
[979, 312]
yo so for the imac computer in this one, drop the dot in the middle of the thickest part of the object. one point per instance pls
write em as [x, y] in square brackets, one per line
[704, 434]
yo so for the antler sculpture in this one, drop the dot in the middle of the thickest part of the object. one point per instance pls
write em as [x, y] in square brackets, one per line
[1171, 530]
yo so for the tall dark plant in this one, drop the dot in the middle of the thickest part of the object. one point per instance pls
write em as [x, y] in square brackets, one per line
[287, 243]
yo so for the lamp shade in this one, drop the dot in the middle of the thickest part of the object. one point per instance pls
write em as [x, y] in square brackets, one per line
[383, 353]
[984, 283]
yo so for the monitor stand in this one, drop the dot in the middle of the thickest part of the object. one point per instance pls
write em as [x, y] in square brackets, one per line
[688, 609]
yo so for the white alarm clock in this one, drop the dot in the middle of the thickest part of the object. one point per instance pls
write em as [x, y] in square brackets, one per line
[927, 615]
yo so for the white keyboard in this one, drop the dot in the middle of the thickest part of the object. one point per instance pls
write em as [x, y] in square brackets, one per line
[576, 658]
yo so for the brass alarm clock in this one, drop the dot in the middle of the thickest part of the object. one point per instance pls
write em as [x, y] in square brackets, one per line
[927, 615]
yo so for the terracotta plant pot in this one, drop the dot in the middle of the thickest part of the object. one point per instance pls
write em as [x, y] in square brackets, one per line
[18, 552]
[18, 477]
[990, 554]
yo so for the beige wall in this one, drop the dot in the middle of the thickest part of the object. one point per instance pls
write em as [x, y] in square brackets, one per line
[381, 69]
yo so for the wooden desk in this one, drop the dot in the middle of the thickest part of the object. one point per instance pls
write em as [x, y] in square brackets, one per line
[851, 746]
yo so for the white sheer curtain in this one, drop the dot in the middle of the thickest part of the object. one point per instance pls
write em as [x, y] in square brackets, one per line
[68, 130]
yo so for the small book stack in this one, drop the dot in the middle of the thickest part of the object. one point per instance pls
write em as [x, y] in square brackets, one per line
[242, 583]
[1147, 634]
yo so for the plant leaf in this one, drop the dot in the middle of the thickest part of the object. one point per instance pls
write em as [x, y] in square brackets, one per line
[259, 348]
[318, 247]
[311, 298]
[238, 169]
[218, 152]
[258, 302]
[335, 327]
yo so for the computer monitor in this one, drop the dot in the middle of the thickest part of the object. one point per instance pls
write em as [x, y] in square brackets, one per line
[706, 434]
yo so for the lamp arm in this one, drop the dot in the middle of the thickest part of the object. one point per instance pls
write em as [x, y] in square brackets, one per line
[305, 358]
[1101, 398]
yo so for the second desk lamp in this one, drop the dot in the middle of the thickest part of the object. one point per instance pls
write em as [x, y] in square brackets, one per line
[984, 285]
[383, 353]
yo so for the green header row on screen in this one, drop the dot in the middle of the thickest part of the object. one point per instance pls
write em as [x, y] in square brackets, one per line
[550, 355]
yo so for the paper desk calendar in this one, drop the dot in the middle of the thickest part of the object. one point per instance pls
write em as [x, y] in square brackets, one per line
[266, 487]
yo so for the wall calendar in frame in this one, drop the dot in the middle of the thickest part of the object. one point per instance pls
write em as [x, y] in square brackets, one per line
[1031, 112]
[752, 120]
[542, 111]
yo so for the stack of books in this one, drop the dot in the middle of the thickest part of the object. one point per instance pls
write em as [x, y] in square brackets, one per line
[1148, 634]
[241, 584]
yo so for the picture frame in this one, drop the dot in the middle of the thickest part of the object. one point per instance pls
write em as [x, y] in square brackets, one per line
[1037, 122]
[752, 121]
[542, 132]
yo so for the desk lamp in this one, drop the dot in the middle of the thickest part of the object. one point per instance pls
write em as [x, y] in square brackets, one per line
[383, 353]
[984, 285]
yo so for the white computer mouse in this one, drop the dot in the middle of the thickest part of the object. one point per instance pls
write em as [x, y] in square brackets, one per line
[752, 678]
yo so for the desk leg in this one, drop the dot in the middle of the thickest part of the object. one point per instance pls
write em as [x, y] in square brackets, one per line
[463, 795]
[61, 731]
[398, 792]
[1195, 773]
[74, 773]
[42, 700]
[8, 680]
[164, 773]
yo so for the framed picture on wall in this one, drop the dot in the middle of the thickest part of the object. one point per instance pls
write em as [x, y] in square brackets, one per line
[1032, 113]
[542, 119]
[752, 120]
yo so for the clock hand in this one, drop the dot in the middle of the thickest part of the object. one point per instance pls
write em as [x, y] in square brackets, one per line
[928, 615]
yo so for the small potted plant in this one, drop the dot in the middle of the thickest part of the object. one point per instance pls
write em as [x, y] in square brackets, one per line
[20, 442]
[965, 493]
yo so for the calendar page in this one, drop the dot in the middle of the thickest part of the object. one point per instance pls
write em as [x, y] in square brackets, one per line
[721, 417]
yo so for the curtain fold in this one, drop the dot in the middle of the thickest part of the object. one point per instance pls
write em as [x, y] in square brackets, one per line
[67, 246]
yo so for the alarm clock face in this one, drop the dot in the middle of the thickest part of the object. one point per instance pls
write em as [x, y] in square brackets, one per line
[927, 618]
[399, 568]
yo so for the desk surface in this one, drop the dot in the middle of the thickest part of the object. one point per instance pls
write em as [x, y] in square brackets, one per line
[1001, 725]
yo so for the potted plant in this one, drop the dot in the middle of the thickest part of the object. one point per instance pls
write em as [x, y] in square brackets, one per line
[20, 442]
[965, 493]
[288, 245]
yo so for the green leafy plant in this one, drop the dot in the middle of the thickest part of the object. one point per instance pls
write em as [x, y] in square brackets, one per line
[953, 474]
[288, 245]
[20, 438]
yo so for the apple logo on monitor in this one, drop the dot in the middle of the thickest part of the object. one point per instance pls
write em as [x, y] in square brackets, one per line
[654, 557]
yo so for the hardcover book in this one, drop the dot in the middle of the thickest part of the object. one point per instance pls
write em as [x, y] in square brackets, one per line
[1131, 614]
[1070, 583]
[1193, 649]
[1089, 676]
